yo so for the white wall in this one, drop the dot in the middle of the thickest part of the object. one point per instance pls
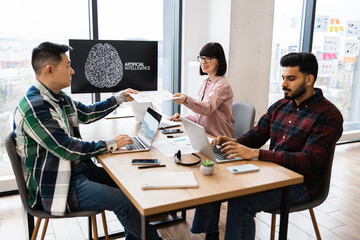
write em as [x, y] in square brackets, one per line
[244, 29]
[218, 23]
[250, 51]
[203, 21]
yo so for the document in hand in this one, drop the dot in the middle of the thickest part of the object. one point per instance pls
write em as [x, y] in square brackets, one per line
[157, 180]
[152, 96]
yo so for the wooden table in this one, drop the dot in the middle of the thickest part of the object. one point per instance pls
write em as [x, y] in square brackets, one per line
[219, 187]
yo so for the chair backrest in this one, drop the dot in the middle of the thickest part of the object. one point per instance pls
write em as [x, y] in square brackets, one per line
[320, 196]
[323, 192]
[15, 160]
[244, 114]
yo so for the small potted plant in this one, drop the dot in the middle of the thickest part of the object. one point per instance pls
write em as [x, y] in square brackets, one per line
[207, 167]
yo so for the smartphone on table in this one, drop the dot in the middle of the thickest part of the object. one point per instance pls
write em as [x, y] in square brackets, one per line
[145, 162]
[169, 131]
[244, 168]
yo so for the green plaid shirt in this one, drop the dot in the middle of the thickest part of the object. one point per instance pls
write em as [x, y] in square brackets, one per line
[46, 129]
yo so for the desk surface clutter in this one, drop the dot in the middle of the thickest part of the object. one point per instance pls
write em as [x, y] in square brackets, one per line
[220, 186]
[216, 188]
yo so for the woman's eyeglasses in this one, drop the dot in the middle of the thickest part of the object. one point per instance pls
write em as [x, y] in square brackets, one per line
[204, 59]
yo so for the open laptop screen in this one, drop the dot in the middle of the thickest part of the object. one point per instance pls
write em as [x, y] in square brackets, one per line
[149, 127]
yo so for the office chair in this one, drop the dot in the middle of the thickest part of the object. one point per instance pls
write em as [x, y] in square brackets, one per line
[318, 199]
[40, 214]
[244, 114]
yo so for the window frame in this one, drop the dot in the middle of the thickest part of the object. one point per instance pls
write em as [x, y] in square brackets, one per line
[9, 180]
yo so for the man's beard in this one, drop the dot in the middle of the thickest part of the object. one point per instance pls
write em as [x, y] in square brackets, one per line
[298, 92]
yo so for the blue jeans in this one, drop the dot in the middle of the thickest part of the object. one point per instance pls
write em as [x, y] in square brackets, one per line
[97, 191]
[240, 223]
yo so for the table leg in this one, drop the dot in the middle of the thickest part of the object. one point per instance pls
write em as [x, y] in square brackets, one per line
[284, 212]
[145, 227]
[90, 228]
[183, 214]
[30, 223]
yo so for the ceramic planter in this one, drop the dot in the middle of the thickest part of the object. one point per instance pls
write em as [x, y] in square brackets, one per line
[207, 170]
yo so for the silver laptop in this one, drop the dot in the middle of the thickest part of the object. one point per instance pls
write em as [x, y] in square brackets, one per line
[200, 142]
[144, 139]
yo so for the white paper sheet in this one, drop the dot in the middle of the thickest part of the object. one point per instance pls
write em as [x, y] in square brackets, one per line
[152, 96]
[170, 147]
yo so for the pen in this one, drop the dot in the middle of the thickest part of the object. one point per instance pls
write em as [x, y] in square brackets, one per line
[152, 166]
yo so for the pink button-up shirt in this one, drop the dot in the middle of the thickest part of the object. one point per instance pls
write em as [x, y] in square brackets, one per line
[213, 109]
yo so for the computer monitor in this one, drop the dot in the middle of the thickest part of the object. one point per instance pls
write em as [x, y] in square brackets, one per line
[111, 66]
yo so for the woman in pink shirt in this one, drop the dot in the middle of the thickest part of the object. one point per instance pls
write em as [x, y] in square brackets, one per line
[213, 108]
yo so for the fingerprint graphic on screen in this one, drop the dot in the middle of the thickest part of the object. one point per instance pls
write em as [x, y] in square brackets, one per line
[103, 67]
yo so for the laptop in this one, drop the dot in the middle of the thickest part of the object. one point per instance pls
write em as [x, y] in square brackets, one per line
[139, 110]
[200, 142]
[143, 141]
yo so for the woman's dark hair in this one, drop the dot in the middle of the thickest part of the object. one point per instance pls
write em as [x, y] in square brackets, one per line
[215, 50]
[306, 61]
[47, 53]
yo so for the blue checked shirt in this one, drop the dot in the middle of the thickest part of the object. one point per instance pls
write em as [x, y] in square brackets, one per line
[46, 129]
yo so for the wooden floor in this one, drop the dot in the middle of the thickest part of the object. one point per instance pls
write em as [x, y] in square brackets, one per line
[338, 217]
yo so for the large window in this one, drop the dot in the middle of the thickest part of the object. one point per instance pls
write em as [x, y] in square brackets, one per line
[286, 38]
[26, 23]
[132, 20]
[336, 45]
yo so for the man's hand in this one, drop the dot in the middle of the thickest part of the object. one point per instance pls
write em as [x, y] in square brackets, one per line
[175, 117]
[232, 149]
[181, 98]
[127, 96]
[123, 140]
[222, 139]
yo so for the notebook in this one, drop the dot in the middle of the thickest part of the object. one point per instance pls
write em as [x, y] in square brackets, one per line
[156, 180]
[139, 110]
[144, 139]
[200, 142]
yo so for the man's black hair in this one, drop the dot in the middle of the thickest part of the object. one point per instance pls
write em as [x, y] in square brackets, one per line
[215, 50]
[47, 53]
[306, 61]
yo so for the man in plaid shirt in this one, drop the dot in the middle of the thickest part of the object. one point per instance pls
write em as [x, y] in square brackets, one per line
[58, 170]
[303, 129]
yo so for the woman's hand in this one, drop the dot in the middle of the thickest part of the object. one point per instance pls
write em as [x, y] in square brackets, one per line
[175, 117]
[123, 140]
[180, 98]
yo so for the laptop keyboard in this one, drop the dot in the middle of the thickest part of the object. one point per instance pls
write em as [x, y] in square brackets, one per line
[220, 157]
[136, 145]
